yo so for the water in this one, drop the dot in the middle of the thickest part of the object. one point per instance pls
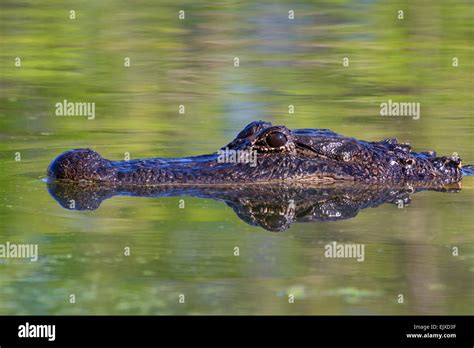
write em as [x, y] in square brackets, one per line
[190, 250]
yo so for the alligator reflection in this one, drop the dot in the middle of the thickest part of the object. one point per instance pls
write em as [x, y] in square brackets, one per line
[274, 208]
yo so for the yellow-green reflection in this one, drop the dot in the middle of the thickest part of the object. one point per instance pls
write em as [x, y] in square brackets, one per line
[190, 62]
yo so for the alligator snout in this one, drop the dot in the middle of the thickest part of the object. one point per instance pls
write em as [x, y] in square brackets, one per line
[81, 165]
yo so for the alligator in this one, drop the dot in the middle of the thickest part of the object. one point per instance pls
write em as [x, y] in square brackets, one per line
[272, 207]
[282, 155]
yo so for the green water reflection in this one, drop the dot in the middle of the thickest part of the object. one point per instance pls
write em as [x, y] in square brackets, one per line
[190, 62]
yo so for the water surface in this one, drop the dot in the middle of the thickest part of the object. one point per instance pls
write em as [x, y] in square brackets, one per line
[185, 245]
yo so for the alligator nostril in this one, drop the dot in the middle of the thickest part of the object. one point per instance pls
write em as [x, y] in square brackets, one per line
[78, 165]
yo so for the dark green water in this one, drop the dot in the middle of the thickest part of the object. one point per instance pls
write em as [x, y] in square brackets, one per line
[190, 62]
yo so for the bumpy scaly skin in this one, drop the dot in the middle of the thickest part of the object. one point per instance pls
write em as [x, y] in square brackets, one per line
[315, 155]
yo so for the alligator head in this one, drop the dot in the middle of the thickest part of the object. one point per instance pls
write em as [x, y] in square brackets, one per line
[265, 153]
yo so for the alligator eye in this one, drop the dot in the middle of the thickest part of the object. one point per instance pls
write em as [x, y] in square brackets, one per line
[276, 139]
